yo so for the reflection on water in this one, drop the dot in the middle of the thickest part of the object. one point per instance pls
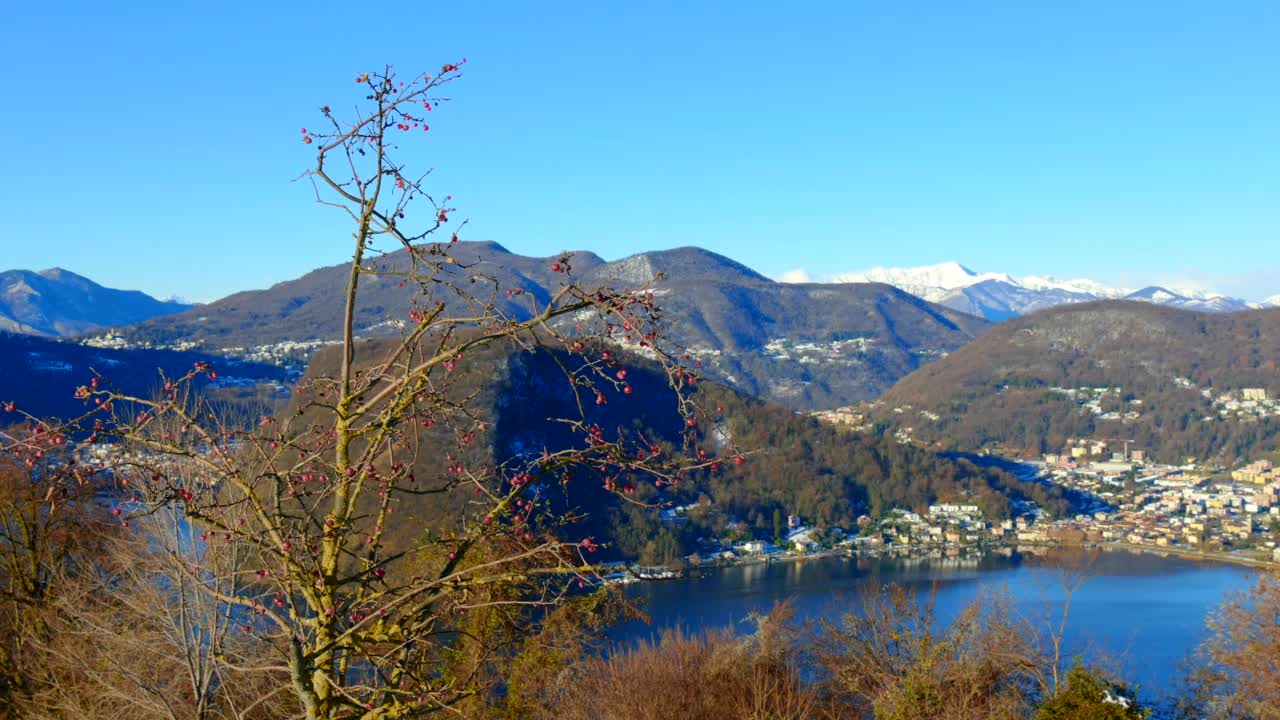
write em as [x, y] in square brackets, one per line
[1146, 610]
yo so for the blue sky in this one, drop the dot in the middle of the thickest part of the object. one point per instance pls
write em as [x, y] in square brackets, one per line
[155, 145]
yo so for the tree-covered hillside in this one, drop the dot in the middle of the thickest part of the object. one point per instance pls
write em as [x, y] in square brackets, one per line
[789, 462]
[1170, 381]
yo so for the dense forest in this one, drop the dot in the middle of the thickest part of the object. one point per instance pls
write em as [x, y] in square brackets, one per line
[790, 462]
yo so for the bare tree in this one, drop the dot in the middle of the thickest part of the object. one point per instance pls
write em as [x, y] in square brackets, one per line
[892, 657]
[295, 517]
[1071, 570]
[49, 524]
[1238, 676]
[145, 639]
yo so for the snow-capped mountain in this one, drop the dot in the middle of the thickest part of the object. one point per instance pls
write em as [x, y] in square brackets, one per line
[1273, 301]
[999, 296]
[928, 282]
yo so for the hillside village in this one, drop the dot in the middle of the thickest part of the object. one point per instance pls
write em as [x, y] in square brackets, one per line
[1135, 505]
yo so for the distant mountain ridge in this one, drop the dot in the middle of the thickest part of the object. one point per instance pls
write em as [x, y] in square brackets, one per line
[999, 296]
[60, 303]
[806, 346]
[1168, 380]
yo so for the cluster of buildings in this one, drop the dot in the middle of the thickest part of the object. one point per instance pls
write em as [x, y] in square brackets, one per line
[1246, 403]
[945, 527]
[814, 352]
[949, 525]
[114, 341]
[1127, 502]
[1172, 507]
[292, 354]
[846, 418]
[1080, 450]
[1106, 403]
[1258, 472]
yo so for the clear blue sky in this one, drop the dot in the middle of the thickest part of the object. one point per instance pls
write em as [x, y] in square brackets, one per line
[154, 145]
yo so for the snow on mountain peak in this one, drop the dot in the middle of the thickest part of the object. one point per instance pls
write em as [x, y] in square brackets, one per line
[1078, 285]
[931, 282]
[997, 296]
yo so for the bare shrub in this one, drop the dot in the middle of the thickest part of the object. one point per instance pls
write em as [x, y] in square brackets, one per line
[892, 658]
[710, 676]
[1237, 675]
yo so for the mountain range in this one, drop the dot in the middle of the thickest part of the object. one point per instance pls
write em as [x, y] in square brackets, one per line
[919, 340]
[808, 346]
[60, 303]
[999, 296]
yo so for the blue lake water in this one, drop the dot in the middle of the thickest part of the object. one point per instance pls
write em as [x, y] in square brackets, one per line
[1145, 611]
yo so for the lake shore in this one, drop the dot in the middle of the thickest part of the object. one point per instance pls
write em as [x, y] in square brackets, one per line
[1220, 557]
[909, 551]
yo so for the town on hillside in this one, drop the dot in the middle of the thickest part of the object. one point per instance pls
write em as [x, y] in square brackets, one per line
[1129, 500]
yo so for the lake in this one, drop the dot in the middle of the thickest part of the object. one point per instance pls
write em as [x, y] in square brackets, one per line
[1148, 611]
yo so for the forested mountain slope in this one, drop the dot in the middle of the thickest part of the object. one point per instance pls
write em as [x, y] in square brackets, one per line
[1169, 380]
[793, 463]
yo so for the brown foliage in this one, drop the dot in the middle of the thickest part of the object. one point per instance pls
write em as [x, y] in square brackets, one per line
[891, 658]
[712, 676]
[1240, 675]
[49, 526]
[143, 639]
